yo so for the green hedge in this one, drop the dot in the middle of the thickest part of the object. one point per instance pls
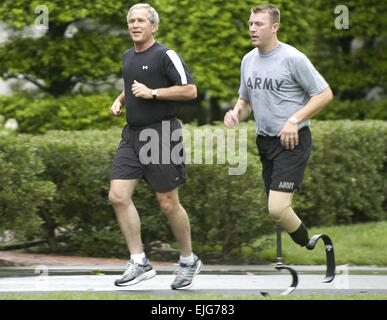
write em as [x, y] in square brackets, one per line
[354, 110]
[22, 191]
[346, 176]
[39, 113]
[79, 164]
[66, 182]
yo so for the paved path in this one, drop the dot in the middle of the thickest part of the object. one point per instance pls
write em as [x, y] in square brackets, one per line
[228, 280]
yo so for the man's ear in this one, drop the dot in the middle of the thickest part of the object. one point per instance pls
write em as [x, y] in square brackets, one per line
[275, 27]
[155, 27]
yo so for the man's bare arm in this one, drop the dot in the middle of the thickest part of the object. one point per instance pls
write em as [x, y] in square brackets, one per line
[178, 92]
[116, 107]
[240, 112]
[314, 106]
[289, 132]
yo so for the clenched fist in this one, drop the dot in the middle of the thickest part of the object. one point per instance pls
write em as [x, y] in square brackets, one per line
[115, 109]
[231, 118]
[140, 90]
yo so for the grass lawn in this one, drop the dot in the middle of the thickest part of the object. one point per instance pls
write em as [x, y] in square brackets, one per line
[358, 244]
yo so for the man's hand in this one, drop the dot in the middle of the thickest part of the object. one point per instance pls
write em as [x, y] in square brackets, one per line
[289, 135]
[231, 118]
[140, 90]
[115, 109]
[240, 112]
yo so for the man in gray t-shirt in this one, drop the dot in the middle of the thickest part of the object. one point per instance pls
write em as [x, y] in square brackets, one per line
[277, 84]
[283, 89]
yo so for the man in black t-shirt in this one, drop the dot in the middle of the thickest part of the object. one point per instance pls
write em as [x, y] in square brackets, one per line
[155, 78]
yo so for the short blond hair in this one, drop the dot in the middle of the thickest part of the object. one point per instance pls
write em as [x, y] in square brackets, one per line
[271, 9]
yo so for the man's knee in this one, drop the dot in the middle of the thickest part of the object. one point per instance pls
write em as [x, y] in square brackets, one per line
[120, 193]
[167, 206]
[169, 203]
[117, 198]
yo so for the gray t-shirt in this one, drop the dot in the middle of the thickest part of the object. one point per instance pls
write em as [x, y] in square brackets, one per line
[277, 84]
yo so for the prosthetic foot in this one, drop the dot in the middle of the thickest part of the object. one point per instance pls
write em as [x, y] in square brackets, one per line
[280, 266]
[330, 254]
[301, 237]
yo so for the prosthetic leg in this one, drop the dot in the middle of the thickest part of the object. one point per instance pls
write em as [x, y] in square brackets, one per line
[330, 254]
[300, 236]
[280, 266]
[282, 213]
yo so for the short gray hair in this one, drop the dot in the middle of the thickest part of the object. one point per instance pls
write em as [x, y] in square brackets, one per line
[153, 15]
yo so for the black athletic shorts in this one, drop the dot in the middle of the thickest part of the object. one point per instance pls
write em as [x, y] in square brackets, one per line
[154, 153]
[282, 169]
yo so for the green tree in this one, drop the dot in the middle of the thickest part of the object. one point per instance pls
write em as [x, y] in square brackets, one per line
[213, 36]
[352, 70]
[57, 61]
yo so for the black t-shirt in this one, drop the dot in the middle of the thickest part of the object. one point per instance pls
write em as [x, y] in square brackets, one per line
[156, 67]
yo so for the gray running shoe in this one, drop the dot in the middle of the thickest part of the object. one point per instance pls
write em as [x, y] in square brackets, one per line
[135, 273]
[185, 274]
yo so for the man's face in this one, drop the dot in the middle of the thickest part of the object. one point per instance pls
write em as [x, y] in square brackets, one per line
[261, 28]
[141, 29]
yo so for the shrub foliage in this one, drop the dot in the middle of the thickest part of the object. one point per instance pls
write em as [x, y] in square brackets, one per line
[57, 184]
